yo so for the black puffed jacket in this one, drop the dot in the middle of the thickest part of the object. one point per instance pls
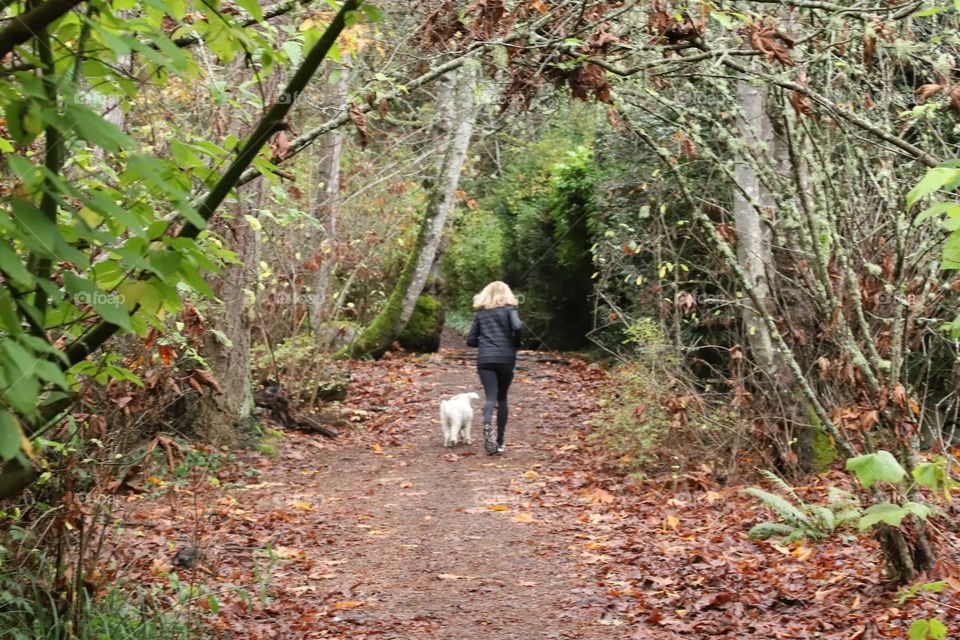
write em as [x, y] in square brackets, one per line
[496, 333]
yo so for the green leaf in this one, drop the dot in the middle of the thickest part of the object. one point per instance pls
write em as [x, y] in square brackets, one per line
[109, 306]
[951, 252]
[725, 21]
[93, 128]
[10, 435]
[374, 14]
[253, 8]
[935, 179]
[766, 530]
[876, 467]
[13, 266]
[22, 358]
[931, 474]
[893, 514]
[928, 12]
[950, 208]
[40, 232]
[931, 629]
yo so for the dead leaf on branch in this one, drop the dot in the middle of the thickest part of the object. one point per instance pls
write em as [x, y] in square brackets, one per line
[666, 28]
[589, 79]
[280, 145]
[801, 104]
[950, 91]
[205, 378]
[869, 49]
[772, 44]
[360, 121]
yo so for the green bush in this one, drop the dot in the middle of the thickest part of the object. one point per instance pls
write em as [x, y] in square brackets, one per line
[31, 609]
[649, 417]
[306, 370]
[422, 333]
[474, 257]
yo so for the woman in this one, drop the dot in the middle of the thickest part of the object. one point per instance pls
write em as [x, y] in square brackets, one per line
[496, 333]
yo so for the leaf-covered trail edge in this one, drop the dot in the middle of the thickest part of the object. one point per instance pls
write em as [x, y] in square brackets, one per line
[384, 533]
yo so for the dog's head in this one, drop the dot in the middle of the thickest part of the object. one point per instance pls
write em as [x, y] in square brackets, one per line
[471, 396]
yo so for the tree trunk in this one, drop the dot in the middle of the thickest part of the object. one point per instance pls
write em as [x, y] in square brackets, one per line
[754, 250]
[227, 418]
[753, 200]
[326, 209]
[441, 193]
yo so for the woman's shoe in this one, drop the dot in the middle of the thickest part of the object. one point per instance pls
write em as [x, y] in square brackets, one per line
[489, 444]
[501, 449]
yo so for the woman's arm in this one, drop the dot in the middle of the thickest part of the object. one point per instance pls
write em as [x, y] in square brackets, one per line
[517, 328]
[473, 338]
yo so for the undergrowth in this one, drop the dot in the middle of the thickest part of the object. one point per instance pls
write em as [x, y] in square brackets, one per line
[652, 420]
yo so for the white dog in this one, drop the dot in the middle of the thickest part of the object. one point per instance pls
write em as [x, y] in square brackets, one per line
[456, 414]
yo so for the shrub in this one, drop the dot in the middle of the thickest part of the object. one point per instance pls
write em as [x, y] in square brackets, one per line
[36, 605]
[306, 371]
[474, 257]
[646, 405]
[422, 333]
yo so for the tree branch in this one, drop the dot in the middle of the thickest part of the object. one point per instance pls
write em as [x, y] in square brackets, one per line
[268, 125]
[27, 25]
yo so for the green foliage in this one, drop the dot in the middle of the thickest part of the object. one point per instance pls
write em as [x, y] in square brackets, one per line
[639, 412]
[422, 333]
[534, 214]
[799, 520]
[944, 179]
[474, 258]
[930, 629]
[876, 467]
[929, 587]
[101, 230]
[31, 610]
[893, 514]
[883, 467]
[306, 371]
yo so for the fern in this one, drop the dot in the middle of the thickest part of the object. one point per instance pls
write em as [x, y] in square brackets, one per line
[781, 484]
[766, 530]
[798, 520]
[781, 507]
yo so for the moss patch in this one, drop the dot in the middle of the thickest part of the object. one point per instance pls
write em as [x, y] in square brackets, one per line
[422, 333]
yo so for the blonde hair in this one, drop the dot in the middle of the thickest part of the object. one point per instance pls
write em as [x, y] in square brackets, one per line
[494, 295]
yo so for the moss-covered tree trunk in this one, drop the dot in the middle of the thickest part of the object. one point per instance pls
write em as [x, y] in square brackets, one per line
[461, 113]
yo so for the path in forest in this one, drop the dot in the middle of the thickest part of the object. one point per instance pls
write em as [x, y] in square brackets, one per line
[383, 534]
[443, 543]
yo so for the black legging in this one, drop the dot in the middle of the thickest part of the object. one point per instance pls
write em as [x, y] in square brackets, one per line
[496, 379]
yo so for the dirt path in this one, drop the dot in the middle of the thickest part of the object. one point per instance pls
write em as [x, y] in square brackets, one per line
[385, 535]
[438, 542]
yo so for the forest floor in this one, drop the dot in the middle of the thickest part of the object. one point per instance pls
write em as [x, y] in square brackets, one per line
[385, 534]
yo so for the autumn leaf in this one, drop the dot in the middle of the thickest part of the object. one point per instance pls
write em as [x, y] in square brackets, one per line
[800, 104]
[771, 43]
[280, 145]
[360, 122]
[348, 604]
[167, 354]
[522, 517]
